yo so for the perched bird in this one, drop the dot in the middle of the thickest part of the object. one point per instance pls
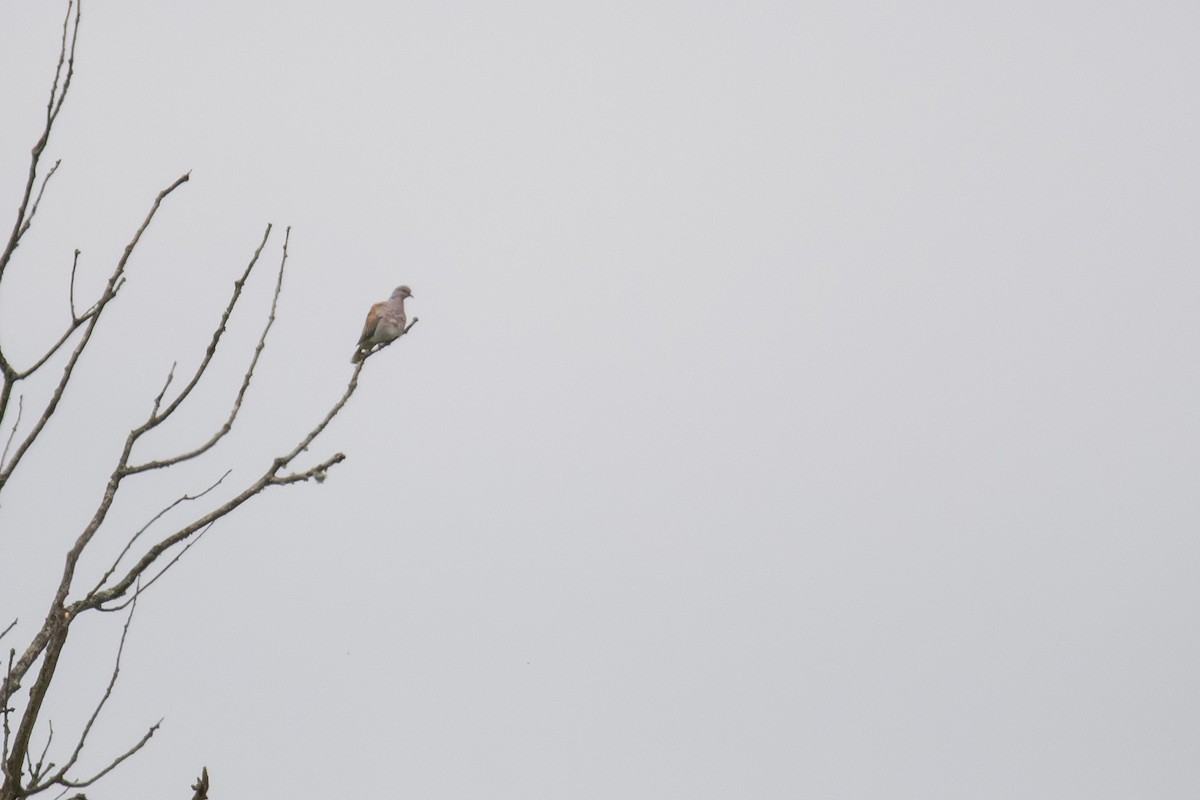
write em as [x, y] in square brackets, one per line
[385, 322]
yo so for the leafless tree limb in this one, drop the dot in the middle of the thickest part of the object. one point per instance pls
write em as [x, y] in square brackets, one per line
[37, 201]
[92, 317]
[54, 348]
[185, 498]
[158, 398]
[270, 477]
[13, 432]
[116, 762]
[55, 105]
[36, 770]
[59, 777]
[56, 630]
[71, 291]
[58, 96]
[238, 285]
[11, 625]
[5, 711]
[156, 417]
[142, 587]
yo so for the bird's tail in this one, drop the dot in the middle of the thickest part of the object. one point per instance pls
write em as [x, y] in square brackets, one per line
[357, 357]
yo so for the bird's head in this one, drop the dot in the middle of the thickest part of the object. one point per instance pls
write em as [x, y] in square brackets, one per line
[401, 292]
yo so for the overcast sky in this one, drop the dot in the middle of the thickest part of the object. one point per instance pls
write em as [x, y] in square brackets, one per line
[803, 403]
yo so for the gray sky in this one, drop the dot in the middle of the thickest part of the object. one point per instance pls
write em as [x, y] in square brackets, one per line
[803, 404]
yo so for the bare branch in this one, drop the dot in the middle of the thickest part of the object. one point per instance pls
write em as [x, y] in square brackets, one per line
[11, 625]
[71, 295]
[56, 628]
[110, 291]
[74, 326]
[60, 776]
[183, 499]
[57, 98]
[142, 587]
[317, 472]
[37, 201]
[55, 104]
[157, 418]
[35, 772]
[269, 478]
[166, 384]
[5, 711]
[216, 338]
[389, 343]
[16, 424]
[116, 762]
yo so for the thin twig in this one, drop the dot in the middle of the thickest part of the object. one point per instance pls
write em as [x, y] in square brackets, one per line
[390, 342]
[116, 762]
[158, 398]
[36, 772]
[37, 201]
[8, 444]
[74, 266]
[142, 587]
[55, 104]
[74, 326]
[5, 711]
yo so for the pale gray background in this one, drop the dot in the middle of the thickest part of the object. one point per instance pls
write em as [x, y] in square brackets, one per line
[804, 402]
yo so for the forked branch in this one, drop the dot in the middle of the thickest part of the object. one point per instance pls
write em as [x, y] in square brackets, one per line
[58, 96]
[157, 417]
[92, 317]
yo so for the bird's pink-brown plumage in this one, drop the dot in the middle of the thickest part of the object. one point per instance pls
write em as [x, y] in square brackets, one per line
[385, 322]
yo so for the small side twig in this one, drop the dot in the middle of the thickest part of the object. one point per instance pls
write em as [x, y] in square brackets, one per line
[142, 587]
[116, 762]
[35, 771]
[12, 433]
[158, 398]
[37, 201]
[74, 265]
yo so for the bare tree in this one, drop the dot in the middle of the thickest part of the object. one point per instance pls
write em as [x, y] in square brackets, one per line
[30, 768]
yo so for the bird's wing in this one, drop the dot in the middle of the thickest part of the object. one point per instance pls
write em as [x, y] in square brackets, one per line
[372, 321]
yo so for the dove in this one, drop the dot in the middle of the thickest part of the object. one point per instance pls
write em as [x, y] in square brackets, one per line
[385, 322]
